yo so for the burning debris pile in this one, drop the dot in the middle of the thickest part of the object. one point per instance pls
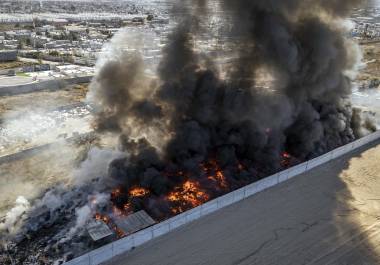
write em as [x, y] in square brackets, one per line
[193, 135]
[196, 133]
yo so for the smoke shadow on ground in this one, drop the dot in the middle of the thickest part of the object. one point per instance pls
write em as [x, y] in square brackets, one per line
[326, 216]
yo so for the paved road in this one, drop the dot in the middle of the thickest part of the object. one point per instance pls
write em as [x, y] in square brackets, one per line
[15, 81]
[330, 215]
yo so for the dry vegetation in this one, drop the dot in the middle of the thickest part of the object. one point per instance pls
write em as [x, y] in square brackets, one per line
[15, 64]
[42, 100]
[371, 54]
[5, 27]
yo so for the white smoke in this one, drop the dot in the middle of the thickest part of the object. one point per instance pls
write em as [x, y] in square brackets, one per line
[124, 41]
[51, 200]
[14, 216]
[83, 214]
[98, 200]
[95, 166]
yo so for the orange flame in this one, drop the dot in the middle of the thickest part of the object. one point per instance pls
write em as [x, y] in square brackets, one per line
[127, 207]
[221, 179]
[215, 173]
[119, 233]
[189, 195]
[286, 159]
[138, 192]
[103, 218]
[116, 193]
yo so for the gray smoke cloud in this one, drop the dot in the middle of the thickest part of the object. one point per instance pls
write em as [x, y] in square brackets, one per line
[200, 113]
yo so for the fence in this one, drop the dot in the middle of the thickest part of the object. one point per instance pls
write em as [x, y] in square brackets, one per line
[53, 84]
[105, 253]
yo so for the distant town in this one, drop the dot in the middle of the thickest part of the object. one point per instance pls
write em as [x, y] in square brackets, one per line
[39, 35]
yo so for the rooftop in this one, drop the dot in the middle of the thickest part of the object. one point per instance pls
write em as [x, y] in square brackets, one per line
[135, 222]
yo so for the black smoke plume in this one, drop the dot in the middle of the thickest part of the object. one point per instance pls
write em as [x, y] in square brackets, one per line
[195, 115]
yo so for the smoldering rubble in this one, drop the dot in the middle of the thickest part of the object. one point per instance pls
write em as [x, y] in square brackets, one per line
[197, 131]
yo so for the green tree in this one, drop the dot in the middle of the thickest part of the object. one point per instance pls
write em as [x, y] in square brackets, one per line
[54, 53]
[21, 45]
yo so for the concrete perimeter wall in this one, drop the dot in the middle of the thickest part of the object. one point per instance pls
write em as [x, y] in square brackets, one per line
[53, 84]
[109, 251]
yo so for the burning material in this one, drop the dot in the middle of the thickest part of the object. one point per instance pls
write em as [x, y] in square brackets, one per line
[285, 162]
[110, 222]
[138, 192]
[102, 218]
[127, 207]
[215, 174]
[188, 196]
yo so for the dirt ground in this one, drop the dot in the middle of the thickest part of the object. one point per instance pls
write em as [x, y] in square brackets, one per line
[15, 64]
[371, 56]
[32, 175]
[42, 100]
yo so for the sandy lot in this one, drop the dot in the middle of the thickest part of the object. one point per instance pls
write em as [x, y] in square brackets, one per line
[371, 56]
[42, 100]
[33, 175]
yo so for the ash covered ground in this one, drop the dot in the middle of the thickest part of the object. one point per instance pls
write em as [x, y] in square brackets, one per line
[241, 91]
